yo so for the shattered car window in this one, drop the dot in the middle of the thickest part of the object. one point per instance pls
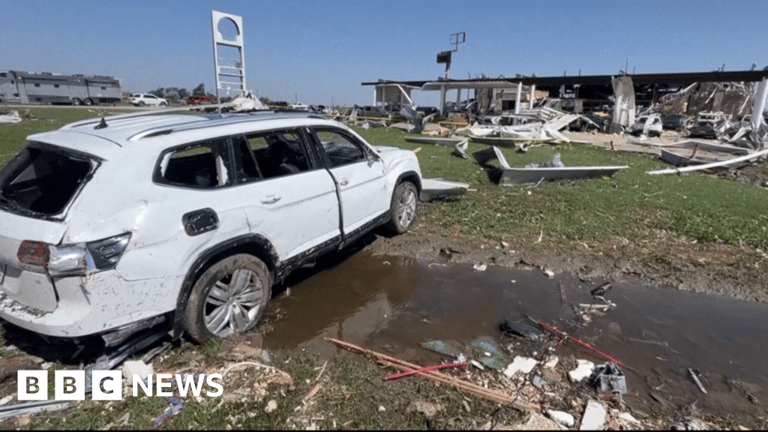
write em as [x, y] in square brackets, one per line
[341, 150]
[279, 153]
[42, 181]
[193, 166]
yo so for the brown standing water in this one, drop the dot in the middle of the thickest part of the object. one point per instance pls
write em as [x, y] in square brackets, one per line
[394, 303]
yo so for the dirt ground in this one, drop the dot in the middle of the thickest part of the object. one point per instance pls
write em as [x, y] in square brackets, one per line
[693, 267]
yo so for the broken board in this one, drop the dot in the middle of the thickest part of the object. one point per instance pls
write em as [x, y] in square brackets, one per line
[433, 140]
[508, 142]
[441, 189]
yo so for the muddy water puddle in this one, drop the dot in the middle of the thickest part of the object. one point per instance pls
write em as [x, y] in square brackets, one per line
[393, 303]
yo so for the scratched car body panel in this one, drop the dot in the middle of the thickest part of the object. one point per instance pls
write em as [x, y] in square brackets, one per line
[108, 223]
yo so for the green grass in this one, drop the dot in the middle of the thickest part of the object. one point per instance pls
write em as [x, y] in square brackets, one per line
[631, 204]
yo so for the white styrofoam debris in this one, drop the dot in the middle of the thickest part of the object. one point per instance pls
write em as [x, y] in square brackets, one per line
[594, 416]
[520, 364]
[629, 417]
[480, 267]
[138, 367]
[551, 362]
[550, 274]
[583, 370]
[562, 417]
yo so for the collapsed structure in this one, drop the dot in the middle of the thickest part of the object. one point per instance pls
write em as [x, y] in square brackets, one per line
[723, 99]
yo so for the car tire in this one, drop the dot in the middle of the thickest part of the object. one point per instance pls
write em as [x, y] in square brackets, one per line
[76, 102]
[218, 298]
[87, 101]
[141, 103]
[163, 104]
[402, 211]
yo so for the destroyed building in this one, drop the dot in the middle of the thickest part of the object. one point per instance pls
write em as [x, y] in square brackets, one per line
[729, 92]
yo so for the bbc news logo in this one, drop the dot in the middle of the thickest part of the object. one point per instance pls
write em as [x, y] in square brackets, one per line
[108, 385]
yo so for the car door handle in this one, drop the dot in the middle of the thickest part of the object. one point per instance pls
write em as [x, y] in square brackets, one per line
[271, 199]
[344, 182]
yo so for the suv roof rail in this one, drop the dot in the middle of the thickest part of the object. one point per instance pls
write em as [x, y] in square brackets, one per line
[97, 120]
[222, 120]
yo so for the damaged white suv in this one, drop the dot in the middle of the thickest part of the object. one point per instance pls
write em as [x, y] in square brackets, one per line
[112, 225]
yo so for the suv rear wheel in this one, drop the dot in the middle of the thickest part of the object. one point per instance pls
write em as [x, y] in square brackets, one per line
[229, 298]
[403, 208]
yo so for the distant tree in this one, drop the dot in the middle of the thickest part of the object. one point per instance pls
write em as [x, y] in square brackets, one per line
[160, 92]
[265, 100]
[184, 93]
[200, 89]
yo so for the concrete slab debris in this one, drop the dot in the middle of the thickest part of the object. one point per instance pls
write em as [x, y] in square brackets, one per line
[594, 416]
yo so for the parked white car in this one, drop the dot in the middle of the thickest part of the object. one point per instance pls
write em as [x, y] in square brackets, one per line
[146, 99]
[109, 225]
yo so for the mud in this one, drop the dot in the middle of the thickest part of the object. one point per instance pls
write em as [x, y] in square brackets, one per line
[393, 303]
[713, 272]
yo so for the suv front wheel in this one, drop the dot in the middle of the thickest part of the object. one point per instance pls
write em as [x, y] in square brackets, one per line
[403, 208]
[229, 298]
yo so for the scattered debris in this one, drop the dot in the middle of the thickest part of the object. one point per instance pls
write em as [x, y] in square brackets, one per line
[175, 405]
[439, 189]
[11, 117]
[522, 329]
[562, 417]
[608, 377]
[510, 175]
[594, 416]
[520, 364]
[583, 370]
[460, 149]
[429, 409]
[425, 369]
[27, 408]
[490, 354]
[493, 395]
[578, 342]
[131, 368]
[441, 347]
[271, 406]
[695, 375]
[480, 267]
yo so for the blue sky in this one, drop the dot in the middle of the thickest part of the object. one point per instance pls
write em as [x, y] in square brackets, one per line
[319, 51]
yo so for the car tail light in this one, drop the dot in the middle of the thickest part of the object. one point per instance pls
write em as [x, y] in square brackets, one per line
[74, 259]
[33, 253]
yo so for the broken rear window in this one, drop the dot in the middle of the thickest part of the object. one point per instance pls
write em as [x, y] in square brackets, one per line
[42, 180]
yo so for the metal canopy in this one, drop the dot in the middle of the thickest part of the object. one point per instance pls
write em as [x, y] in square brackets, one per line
[681, 78]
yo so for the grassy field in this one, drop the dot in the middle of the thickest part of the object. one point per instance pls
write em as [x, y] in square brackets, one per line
[632, 205]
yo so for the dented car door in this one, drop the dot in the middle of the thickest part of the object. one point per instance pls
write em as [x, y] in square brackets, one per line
[288, 198]
[360, 176]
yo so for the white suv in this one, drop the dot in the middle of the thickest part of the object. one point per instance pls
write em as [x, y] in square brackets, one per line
[142, 99]
[109, 225]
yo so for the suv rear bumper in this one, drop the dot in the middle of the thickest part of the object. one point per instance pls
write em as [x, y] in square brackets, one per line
[93, 304]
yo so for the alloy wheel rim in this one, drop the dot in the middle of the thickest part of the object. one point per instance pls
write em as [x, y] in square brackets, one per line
[233, 303]
[407, 208]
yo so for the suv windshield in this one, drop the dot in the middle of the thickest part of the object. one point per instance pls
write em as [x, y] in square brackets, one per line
[42, 180]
